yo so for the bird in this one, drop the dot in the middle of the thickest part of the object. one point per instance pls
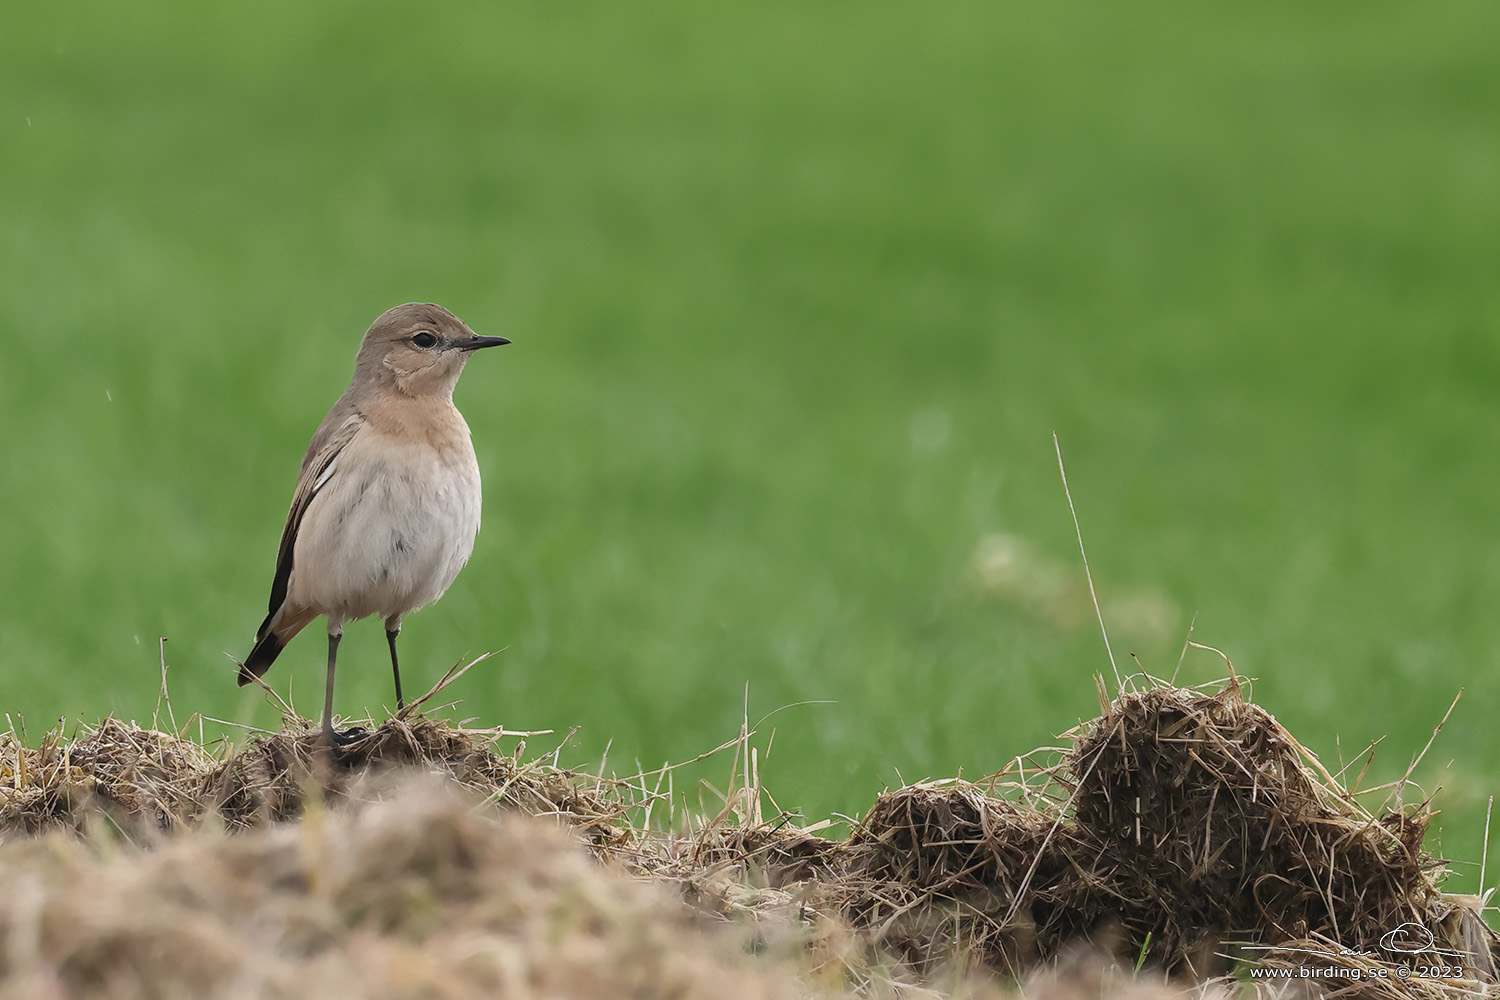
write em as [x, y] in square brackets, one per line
[387, 502]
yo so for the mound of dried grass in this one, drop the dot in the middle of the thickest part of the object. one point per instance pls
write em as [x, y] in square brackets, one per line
[139, 778]
[1180, 831]
[1191, 832]
[938, 863]
[403, 892]
[147, 783]
[1214, 825]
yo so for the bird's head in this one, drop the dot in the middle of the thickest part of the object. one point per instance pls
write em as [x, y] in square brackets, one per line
[418, 348]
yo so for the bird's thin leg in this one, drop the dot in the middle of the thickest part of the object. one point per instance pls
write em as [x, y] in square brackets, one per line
[333, 655]
[390, 637]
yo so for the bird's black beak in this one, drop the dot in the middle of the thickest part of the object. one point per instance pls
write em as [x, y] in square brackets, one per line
[478, 342]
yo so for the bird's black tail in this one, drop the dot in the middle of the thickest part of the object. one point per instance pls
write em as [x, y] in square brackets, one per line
[268, 646]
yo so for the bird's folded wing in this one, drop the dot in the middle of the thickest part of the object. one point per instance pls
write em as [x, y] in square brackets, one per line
[318, 468]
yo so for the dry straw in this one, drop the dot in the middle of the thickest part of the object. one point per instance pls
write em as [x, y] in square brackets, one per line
[1181, 837]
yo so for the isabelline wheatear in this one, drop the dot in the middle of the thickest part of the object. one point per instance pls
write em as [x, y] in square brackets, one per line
[387, 503]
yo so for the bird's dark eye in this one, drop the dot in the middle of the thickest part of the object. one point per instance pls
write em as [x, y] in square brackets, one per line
[424, 339]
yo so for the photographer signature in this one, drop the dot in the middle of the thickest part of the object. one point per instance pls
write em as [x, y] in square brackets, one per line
[1410, 938]
[1407, 939]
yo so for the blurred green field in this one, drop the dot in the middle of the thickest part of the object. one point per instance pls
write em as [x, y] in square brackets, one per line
[799, 294]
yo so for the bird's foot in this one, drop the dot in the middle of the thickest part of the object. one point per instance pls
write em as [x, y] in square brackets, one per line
[353, 734]
[342, 739]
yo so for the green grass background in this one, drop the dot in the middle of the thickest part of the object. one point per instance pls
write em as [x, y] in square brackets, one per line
[799, 294]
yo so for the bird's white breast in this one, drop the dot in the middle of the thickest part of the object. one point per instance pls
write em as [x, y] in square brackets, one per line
[391, 527]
